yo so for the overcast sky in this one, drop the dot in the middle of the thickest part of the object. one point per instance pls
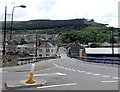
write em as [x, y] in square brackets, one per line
[102, 11]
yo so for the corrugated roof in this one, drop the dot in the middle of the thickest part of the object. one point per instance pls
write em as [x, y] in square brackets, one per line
[102, 50]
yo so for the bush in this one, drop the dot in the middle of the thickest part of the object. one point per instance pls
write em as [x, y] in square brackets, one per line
[5, 60]
[94, 45]
[17, 64]
[21, 54]
[22, 63]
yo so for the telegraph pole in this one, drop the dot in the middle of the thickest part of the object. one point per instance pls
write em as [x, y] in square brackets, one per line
[36, 43]
[4, 42]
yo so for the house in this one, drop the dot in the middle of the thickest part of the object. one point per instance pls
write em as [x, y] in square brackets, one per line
[75, 49]
[47, 49]
[106, 44]
[11, 49]
[28, 49]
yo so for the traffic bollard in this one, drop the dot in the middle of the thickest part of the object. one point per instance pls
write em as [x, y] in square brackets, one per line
[30, 80]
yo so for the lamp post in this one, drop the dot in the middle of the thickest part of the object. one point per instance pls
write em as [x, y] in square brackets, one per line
[4, 42]
[112, 42]
[22, 6]
[36, 45]
[112, 39]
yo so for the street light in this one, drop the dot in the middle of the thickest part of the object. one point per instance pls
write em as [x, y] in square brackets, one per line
[112, 39]
[4, 42]
[22, 6]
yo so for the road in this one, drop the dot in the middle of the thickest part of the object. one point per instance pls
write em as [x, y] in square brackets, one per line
[66, 74]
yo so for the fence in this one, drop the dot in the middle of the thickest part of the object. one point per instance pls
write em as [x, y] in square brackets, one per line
[105, 60]
[30, 60]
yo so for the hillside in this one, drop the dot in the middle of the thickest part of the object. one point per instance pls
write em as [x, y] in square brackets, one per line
[74, 30]
[46, 24]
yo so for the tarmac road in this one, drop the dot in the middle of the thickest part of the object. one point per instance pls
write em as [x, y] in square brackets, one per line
[66, 74]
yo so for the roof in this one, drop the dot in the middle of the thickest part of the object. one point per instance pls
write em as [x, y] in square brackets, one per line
[105, 44]
[48, 44]
[20, 46]
[101, 50]
[26, 45]
[73, 44]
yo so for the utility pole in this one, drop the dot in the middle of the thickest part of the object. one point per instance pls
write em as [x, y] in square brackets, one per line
[4, 32]
[112, 42]
[36, 43]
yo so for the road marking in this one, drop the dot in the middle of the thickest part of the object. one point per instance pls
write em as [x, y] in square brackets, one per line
[78, 70]
[116, 78]
[106, 76]
[49, 74]
[81, 71]
[96, 74]
[69, 69]
[56, 65]
[58, 85]
[66, 68]
[88, 73]
[110, 81]
[3, 71]
[60, 74]
[73, 70]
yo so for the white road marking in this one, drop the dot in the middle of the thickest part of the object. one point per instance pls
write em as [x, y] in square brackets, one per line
[116, 78]
[106, 76]
[88, 73]
[69, 69]
[55, 65]
[57, 85]
[96, 74]
[110, 81]
[78, 70]
[62, 67]
[50, 74]
[81, 71]
[73, 70]
[66, 68]
[60, 74]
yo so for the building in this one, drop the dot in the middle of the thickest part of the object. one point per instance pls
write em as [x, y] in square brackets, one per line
[102, 51]
[47, 49]
[106, 44]
[75, 49]
[11, 49]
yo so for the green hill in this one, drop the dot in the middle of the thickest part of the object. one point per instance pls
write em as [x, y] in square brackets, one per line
[73, 30]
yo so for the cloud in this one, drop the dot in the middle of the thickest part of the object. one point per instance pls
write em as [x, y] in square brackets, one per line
[103, 11]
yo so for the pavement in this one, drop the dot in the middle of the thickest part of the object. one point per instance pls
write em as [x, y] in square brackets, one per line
[23, 84]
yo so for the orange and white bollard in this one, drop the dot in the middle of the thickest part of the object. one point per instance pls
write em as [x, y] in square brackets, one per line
[30, 80]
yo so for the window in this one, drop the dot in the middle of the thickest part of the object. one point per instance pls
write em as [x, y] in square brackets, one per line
[40, 55]
[40, 50]
[47, 50]
[47, 54]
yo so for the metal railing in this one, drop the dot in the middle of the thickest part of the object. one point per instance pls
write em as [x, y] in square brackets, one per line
[104, 60]
[30, 60]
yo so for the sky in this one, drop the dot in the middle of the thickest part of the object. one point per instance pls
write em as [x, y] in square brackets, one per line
[102, 11]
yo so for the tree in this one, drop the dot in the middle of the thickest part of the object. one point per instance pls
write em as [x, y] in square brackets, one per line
[23, 41]
[10, 42]
[21, 54]
[94, 45]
